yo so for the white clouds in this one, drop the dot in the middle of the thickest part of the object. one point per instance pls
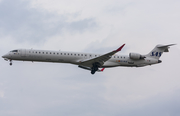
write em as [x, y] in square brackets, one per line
[36, 27]
[1, 94]
[1, 90]
[115, 22]
[70, 7]
[89, 26]
[133, 85]
[129, 22]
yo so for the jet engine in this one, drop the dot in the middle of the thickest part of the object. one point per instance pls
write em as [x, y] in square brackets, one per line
[136, 56]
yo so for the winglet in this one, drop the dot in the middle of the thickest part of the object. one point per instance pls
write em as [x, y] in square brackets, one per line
[119, 49]
[102, 69]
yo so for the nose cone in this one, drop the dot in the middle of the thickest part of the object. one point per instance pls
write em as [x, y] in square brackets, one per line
[5, 56]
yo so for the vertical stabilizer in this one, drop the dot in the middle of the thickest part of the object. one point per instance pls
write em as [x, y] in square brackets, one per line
[158, 51]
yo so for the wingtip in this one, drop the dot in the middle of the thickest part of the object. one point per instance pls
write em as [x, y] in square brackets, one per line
[102, 69]
[119, 49]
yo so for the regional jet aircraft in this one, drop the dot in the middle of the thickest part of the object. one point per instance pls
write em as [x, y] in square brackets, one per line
[89, 61]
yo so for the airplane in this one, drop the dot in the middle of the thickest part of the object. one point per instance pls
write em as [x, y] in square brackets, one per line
[89, 61]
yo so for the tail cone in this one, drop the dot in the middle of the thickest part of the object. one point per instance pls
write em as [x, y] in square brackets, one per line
[159, 61]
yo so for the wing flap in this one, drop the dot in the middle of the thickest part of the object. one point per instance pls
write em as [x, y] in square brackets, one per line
[88, 68]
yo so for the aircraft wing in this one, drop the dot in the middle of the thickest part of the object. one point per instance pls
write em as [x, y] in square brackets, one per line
[101, 59]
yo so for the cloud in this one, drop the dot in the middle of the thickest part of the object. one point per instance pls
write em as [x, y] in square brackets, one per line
[1, 94]
[130, 22]
[161, 104]
[28, 88]
[27, 24]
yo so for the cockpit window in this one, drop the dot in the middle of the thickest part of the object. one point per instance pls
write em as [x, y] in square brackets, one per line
[14, 51]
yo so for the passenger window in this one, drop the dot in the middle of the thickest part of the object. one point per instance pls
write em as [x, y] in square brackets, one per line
[81, 54]
[75, 54]
[57, 53]
[46, 52]
[54, 53]
[78, 54]
[64, 53]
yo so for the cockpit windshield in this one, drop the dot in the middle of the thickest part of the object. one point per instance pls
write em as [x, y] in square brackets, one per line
[14, 51]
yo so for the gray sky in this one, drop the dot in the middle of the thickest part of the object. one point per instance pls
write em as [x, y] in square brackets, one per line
[97, 26]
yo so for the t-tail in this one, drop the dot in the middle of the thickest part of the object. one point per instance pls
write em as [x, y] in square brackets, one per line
[157, 52]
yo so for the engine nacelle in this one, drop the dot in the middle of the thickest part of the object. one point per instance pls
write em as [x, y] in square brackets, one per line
[136, 56]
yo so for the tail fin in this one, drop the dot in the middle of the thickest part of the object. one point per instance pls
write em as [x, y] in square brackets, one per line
[158, 51]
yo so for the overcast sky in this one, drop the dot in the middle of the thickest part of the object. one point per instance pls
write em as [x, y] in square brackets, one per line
[95, 26]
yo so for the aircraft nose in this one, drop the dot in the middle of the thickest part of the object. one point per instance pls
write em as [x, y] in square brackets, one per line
[4, 56]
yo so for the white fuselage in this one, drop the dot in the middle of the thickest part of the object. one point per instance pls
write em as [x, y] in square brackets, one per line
[75, 58]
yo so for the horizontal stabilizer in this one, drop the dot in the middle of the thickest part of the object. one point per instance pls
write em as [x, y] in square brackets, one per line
[165, 46]
[162, 46]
